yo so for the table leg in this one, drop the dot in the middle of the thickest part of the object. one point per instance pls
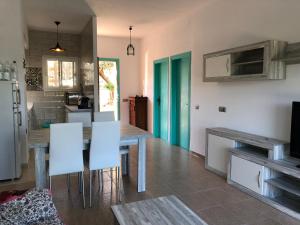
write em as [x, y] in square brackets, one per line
[40, 168]
[141, 164]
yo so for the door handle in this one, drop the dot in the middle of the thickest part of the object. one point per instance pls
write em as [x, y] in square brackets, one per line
[18, 97]
[20, 118]
[158, 101]
[227, 65]
[258, 179]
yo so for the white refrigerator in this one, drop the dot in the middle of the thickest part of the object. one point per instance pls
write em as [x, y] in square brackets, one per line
[10, 122]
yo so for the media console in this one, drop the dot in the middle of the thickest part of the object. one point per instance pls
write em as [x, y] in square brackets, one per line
[257, 165]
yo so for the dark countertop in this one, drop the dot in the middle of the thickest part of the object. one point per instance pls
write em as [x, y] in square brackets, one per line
[74, 109]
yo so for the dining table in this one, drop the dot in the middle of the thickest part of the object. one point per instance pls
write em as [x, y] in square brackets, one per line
[39, 141]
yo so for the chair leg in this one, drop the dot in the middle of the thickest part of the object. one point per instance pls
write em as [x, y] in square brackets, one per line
[91, 189]
[102, 180]
[83, 195]
[118, 174]
[68, 182]
[50, 185]
[120, 187]
[99, 179]
[111, 179]
[79, 182]
[125, 164]
[128, 164]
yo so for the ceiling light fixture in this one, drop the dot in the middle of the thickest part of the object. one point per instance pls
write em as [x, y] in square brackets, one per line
[57, 48]
[130, 48]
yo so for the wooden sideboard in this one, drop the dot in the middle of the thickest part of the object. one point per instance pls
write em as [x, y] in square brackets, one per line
[138, 112]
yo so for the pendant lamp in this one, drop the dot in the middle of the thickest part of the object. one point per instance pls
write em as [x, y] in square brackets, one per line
[130, 48]
[57, 47]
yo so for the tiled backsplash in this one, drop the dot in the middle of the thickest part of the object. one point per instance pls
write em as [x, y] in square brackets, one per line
[46, 107]
[34, 79]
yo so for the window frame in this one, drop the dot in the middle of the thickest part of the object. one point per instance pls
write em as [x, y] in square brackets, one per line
[60, 59]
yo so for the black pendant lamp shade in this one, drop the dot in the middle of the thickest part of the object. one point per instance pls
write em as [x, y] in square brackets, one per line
[130, 48]
[57, 48]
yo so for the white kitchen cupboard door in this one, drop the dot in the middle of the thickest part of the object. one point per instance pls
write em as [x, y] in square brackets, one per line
[217, 152]
[247, 174]
[218, 66]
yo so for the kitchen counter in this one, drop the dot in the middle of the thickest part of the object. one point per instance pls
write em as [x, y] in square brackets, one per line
[74, 109]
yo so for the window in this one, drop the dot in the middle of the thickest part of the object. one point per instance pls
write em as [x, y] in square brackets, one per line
[60, 73]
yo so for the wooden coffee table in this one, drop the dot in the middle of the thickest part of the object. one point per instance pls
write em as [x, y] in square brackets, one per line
[167, 210]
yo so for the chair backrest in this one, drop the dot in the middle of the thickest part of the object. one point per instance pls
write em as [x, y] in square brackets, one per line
[80, 117]
[104, 116]
[66, 146]
[105, 145]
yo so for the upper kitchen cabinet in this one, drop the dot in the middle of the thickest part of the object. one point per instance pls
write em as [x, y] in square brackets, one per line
[251, 62]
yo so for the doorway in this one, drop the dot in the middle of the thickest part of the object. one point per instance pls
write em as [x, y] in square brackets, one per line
[161, 95]
[180, 100]
[109, 85]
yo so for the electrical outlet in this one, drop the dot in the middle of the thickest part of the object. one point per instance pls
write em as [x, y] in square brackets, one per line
[222, 109]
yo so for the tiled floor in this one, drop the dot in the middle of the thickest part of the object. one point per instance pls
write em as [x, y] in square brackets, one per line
[170, 170]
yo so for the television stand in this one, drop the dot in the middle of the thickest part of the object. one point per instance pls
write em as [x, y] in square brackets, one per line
[257, 165]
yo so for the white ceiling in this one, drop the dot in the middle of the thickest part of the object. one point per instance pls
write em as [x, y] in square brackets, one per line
[114, 16]
[73, 14]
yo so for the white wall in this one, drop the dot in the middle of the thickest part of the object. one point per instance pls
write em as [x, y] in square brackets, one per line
[13, 39]
[115, 47]
[261, 107]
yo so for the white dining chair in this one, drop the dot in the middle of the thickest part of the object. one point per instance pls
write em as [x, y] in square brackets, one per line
[104, 116]
[65, 154]
[80, 117]
[104, 150]
[124, 150]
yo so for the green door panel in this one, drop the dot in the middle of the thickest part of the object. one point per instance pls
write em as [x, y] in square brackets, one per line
[180, 100]
[164, 68]
[184, 104]
[161, 75]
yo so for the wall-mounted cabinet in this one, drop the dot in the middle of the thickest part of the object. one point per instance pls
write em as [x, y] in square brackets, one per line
[251, 62]
[291, 54]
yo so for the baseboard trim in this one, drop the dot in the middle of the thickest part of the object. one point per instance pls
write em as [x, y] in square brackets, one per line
[197, 155]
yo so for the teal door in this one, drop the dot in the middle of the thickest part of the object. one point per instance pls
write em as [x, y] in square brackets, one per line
[180, 100]
[161, 74]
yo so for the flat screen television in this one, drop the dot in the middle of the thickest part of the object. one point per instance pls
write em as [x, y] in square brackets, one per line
[295, 131]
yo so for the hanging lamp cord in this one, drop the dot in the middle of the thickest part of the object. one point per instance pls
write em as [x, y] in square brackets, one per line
[130, 29]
